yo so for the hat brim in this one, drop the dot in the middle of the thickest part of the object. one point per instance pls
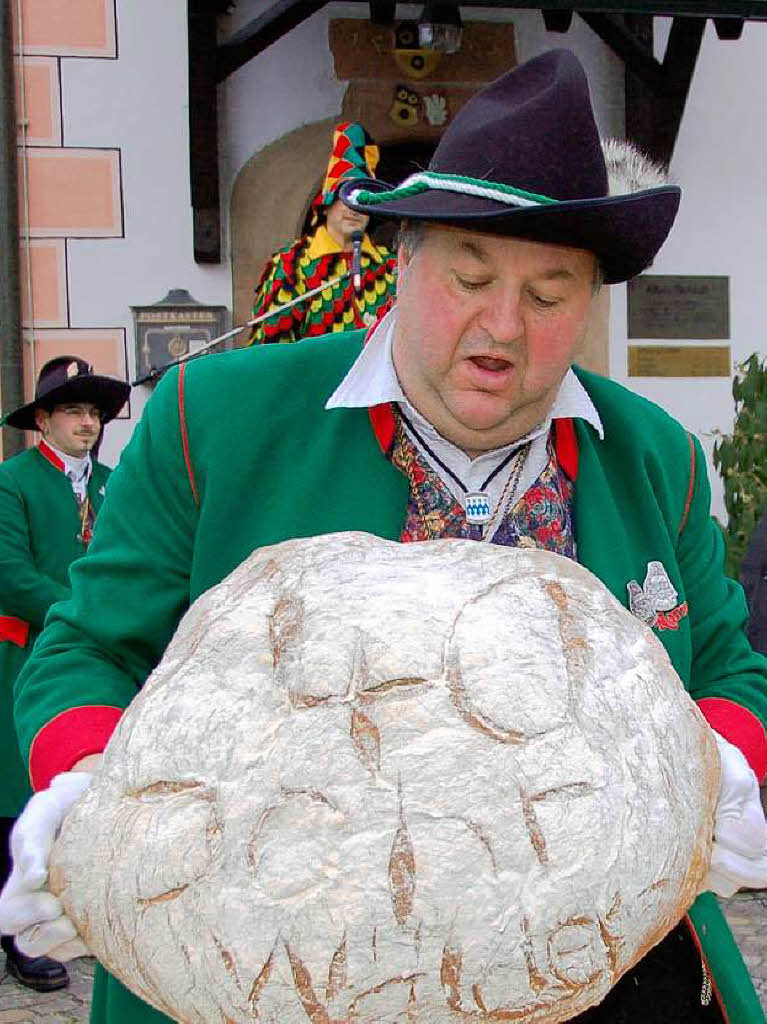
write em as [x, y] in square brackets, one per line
[624, 232]
[109, 394]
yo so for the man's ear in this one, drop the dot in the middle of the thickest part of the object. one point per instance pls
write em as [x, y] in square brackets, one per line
[41, 419]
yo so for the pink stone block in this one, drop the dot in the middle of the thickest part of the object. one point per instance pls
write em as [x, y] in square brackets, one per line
[44, 273]
[39, 101]
[72, 192]
[77, 28]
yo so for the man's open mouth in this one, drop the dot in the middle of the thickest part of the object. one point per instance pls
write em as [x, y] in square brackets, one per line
[491, 363]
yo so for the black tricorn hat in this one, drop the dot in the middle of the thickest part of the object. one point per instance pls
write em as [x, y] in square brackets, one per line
[523, 158]
[70, 379]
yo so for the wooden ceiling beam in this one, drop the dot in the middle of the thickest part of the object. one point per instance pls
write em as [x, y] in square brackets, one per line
[275, 22]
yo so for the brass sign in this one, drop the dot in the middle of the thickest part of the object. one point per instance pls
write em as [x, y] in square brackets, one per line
[679, 306]
[679, 361]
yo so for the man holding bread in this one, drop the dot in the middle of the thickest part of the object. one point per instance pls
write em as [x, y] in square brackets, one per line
[460, 415]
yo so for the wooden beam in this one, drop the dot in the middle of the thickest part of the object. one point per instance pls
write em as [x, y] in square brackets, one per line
[678, 67]
[382, 11]
[203, 133]
[262, 31]
[655, 92]
[612, 30]
[728, 28]
[753, 10]
[557, 19]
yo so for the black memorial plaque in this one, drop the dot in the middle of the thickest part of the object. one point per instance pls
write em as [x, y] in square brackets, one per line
[679, 306]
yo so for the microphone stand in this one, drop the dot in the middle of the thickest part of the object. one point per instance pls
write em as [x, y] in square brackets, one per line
[155, 374]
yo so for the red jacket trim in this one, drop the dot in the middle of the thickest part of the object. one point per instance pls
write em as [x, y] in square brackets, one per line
[15, 631]
[384, 426]
[50, 456]
[69, 737]
[691, 486]
[185, 436]
[566, 446]
[740, 727]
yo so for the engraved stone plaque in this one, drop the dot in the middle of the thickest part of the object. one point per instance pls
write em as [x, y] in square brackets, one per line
[679, 306]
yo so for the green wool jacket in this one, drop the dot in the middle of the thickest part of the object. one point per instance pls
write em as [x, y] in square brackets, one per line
[39, 529]
[238, 451]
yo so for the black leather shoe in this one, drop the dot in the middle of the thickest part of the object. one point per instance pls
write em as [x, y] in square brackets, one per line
[37, 972]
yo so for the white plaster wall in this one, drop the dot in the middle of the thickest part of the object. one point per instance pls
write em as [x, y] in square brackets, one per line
[138, 103]
[719, 161]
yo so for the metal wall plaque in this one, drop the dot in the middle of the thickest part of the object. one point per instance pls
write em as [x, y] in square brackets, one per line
[175, 326]
[679, 306]
[679, 361]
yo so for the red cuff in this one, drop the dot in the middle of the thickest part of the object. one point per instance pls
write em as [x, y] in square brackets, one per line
[740, 727]
[67, 738]
[14, 630]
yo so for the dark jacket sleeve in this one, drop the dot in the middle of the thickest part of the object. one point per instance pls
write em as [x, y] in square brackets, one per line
[25, 592]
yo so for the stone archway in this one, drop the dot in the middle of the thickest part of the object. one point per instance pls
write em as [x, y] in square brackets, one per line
[269, 202]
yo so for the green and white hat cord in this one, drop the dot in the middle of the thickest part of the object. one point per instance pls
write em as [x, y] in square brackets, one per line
[428, 181]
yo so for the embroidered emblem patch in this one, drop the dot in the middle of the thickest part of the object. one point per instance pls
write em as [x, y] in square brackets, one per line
[72, 370]
[655, 601]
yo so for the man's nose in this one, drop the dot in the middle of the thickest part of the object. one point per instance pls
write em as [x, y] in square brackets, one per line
[502, 315]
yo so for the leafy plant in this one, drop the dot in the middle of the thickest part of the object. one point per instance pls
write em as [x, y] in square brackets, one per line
[741, 458]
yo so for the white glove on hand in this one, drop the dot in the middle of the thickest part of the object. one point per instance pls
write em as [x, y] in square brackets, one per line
[739, 856]
[34, 916]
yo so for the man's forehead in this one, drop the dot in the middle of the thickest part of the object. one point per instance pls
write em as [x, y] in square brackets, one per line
[549, 259]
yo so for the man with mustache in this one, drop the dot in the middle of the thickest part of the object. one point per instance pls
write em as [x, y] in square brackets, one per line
[461, 415]
[49, 498]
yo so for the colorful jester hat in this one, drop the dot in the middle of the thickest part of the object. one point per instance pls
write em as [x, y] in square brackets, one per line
[354, 155]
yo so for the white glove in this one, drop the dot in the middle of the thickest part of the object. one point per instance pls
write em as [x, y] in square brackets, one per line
[739, 856]
[27, 911]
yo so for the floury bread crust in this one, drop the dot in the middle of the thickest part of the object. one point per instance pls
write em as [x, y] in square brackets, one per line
[376, 782]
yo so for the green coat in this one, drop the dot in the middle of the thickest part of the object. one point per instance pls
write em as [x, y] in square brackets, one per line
[39, 527]
[233, 455]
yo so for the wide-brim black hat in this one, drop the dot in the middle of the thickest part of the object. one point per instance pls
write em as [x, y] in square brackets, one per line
[70, 379]
[523, 158]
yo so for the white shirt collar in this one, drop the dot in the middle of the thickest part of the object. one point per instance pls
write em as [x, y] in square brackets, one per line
[78, 470]
[372, 380]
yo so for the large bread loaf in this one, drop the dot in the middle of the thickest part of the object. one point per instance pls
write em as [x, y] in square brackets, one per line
[376, 782]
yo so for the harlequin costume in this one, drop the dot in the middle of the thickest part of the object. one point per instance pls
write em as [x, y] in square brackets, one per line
[48, 504]
[317, 257]
[612, 481]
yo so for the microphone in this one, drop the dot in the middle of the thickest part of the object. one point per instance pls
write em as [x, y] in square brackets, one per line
[357, 260]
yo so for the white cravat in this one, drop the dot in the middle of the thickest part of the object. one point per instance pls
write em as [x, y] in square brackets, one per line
[77, 470]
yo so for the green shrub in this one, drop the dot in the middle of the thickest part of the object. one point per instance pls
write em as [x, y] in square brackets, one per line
[741, 459]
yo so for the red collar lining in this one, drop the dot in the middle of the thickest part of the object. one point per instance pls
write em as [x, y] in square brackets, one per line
[384, 426]
[50, 456]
